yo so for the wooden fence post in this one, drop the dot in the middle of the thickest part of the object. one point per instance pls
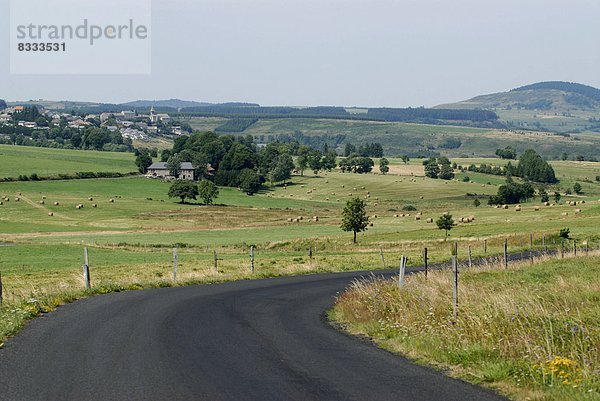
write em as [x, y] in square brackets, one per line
[402, 271]
[506, 253]
[86, 269]
[425, 260]
[531, 247]
[310, 252]
[455, 288]
[470, 259]
[544, 243]
[175, 262]
[485, 246]
[215, 259]
[252, 259]
[0, 289]
[562, 249]
[586, 247]
[382, 257]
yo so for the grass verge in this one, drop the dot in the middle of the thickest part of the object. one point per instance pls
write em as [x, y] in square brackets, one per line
[531, 332]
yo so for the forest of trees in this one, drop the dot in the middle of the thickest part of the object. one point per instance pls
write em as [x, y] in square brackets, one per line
[238, 162]
[93, 138]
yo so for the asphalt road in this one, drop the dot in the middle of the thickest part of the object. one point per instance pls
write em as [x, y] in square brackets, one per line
[251, 340]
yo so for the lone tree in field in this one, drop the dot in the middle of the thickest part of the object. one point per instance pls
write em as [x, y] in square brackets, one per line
[354, 217]
[577, 188]
[445, 222]
[207, 191]
[384, 165]
[183, 189]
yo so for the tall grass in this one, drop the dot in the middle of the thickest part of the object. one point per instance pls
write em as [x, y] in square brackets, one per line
[531, 331]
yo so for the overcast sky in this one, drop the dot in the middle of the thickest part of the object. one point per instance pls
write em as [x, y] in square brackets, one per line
[394, 53]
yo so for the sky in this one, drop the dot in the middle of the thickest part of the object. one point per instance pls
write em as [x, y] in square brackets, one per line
[370, 53]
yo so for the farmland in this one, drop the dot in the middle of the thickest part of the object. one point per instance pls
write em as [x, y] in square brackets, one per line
[23, 160]
[130, 238]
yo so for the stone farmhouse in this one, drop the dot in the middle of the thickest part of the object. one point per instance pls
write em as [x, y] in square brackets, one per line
[160, 169]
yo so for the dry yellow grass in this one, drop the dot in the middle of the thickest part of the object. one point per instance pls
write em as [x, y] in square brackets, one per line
[531, 331]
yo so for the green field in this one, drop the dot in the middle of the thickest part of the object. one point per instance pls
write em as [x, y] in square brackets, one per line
[24, 160]
[131, 239]
[403, 138]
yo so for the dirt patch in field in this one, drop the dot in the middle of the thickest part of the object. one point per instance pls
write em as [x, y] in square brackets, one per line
[408, 169]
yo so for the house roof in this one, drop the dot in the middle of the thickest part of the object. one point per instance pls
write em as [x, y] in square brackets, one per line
[163, 166]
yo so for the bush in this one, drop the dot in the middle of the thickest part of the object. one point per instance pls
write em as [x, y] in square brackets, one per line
[409, 208]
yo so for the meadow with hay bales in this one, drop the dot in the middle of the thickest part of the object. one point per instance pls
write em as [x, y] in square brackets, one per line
[130, 227]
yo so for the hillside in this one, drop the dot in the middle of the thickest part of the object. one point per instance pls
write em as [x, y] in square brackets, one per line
[554, 106]
[412, 139]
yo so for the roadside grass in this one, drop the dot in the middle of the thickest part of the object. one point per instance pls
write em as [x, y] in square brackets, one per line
[531, 332]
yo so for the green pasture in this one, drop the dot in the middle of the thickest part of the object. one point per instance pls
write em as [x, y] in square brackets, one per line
[25, 160]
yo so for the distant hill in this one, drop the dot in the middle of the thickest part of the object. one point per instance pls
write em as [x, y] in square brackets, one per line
[556, 106]
[554, 96]
[171, 103]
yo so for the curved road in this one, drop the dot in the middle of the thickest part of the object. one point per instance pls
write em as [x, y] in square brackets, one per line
[251, 340]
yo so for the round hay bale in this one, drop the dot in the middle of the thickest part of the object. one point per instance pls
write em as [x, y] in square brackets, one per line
[90, 199]
[300, 217]
[546, 203]
[1, 203]
[577, 210]
[20, 194]
[517, 208]
[112, 200]
[374, 216]
[42, 202]
[537, 208]
[565, 214]
[94, 205]
[56, 203]
[354, 189]
[417, 217]
[505, 207]
[316, 218]
[371, 224]
[17, 200]
[43, 197]
[290, 220]
[421, 197]
[430, 220]
[326, 199]
[396, 215]
[50, 214]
